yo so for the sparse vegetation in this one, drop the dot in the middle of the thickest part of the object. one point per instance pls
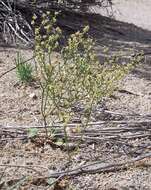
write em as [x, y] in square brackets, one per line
[85, 136]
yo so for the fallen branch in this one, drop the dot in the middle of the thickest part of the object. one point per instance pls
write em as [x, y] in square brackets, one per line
[131, 123]
[105, 138]
[98, 167]
[25, 167]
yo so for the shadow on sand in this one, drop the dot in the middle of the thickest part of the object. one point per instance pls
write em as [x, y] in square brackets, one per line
[107, 32]
[117, 35]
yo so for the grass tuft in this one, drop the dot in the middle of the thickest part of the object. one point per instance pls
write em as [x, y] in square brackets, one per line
[23, 70]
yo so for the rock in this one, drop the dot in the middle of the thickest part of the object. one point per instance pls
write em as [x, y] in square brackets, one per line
[33, 96]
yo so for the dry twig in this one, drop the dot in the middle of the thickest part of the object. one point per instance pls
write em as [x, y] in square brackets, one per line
[98, 167]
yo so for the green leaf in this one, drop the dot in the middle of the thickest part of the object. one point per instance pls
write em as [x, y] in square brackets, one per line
[32, 132]
[59, 142]
[51, 181]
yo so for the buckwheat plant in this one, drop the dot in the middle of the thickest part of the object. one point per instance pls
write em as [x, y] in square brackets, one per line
[75, 77]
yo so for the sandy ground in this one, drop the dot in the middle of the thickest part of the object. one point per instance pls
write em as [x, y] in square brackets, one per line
[17, 108]
[134, 96]
[137, 12]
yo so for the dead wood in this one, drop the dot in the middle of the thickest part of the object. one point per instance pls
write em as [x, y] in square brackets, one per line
[98, 167]
[16, 16]
[25, 167]
[94, 132]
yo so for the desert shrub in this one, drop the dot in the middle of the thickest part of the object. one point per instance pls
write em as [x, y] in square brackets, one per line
[23, 70]
[76, 76]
